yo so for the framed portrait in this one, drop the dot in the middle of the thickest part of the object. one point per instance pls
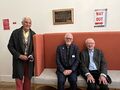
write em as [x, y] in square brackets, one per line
[63, 16]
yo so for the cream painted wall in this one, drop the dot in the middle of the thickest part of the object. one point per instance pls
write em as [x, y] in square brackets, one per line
[41, 13]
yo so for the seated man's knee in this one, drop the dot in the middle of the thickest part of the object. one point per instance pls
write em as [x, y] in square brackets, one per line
[61, 81]
[91, 86]
[72, 80]
[103, 87]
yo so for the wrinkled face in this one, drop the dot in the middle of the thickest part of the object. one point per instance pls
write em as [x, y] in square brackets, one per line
[90, 43]
[68, 39]
[26, 24]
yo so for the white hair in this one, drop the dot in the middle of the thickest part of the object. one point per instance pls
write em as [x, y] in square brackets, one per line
[68, 34]
[24, 18]
[89, 39]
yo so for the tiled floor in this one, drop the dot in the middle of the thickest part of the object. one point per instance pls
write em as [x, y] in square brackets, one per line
[11, 86]
[7, 86]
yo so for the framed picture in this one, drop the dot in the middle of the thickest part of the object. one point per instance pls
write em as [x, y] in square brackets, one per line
[63, 16]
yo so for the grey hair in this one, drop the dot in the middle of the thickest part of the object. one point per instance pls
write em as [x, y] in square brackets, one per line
[89, 39]
[24, 18]
[69, 34]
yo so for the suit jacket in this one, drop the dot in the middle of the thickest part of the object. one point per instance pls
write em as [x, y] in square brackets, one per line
[16, 47]
[98, 58]
[62, 62]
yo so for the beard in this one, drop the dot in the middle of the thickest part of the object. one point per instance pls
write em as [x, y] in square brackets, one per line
[68, 43]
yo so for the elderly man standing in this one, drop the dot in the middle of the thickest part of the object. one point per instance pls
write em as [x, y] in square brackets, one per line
[67, 59]
[21, 47]
[94, 66]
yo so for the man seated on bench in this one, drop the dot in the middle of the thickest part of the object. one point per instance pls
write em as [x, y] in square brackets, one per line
[67, 59]
[94, 66]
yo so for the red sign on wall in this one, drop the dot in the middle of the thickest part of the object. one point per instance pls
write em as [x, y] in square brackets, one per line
[100, 17]
[6, 25]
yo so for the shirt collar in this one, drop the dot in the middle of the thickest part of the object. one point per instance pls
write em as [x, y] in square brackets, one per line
[91, 50]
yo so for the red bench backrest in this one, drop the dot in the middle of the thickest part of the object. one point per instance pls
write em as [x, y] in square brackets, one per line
[108, 42]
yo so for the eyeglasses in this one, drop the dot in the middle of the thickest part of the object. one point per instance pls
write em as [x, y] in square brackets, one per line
[68, 38]
[90, 43]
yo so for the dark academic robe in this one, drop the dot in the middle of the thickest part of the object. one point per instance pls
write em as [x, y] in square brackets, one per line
[16, 47]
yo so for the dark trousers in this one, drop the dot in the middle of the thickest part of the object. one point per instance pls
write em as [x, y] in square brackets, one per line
[25, 83]
[72, 79]
[93, 86]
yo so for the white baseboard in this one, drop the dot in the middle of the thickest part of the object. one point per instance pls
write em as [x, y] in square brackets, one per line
[6, 78]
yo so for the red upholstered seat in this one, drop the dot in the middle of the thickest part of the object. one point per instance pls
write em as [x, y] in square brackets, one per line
[45, 48]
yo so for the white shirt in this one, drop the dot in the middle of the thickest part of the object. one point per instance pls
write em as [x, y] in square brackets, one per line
[92, 65]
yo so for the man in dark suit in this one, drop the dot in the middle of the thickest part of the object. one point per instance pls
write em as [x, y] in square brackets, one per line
[94, 66]
[21, 47]
[67, 59]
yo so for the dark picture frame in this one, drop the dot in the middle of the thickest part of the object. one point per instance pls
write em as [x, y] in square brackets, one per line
[63, 16]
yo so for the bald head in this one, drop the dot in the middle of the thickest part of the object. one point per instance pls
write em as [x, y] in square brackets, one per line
[90, 43]
[68, 35]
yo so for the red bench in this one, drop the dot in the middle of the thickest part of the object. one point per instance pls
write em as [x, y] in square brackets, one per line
[45, 52]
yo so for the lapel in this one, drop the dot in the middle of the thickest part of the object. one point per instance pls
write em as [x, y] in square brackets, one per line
[87, 56]
[95, 57]
[30, 41]
[71, 51]
[21, 39]
[63, 51]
